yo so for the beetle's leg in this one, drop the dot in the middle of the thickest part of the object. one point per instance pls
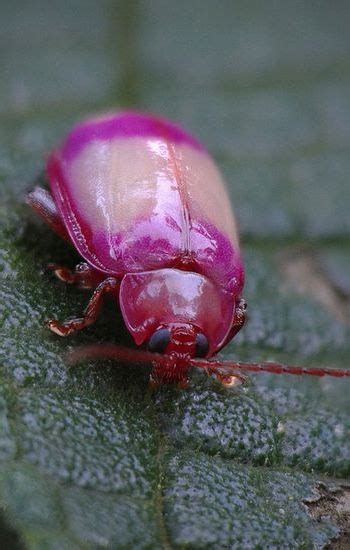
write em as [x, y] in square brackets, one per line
[230, 380]
[107, 286]
[238, 321]
[83, 275]
[43, 204]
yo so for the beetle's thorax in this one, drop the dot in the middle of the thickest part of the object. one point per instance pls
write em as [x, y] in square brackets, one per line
[176, 299]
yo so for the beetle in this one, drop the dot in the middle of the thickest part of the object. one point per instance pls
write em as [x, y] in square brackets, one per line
[145, 206]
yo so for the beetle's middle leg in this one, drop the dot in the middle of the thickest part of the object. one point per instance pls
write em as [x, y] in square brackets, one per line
[108, 286]
[83, 275]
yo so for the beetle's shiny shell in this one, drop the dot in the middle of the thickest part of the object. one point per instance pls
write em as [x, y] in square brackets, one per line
[143, 201]
[137, 193]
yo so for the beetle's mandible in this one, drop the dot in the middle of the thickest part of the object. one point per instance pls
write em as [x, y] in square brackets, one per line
[145, 206]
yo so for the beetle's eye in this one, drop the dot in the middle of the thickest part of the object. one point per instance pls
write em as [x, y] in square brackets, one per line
[159, 340]
[202, 345]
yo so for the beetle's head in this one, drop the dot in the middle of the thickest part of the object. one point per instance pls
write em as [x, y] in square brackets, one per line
[180, 342]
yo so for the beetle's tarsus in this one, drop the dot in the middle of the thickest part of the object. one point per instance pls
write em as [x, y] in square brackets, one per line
[68, 327]
[83, 275]
[62, 273]
[228, 379]
[57, 327]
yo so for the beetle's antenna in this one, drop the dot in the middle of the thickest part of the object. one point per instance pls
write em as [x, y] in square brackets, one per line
[227, 368]
[120, 353]
[224, 369]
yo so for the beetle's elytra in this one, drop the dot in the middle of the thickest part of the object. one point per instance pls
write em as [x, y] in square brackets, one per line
[145, 206]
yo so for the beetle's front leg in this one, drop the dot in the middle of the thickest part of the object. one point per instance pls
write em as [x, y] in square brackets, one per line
[108, 286]
[83, 275]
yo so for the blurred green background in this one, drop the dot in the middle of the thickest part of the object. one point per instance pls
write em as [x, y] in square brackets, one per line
[89, 457]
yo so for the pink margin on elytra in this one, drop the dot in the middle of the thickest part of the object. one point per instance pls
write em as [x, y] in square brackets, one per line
[129, 124]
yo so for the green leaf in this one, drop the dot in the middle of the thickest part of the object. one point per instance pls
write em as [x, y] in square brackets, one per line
[90, 458]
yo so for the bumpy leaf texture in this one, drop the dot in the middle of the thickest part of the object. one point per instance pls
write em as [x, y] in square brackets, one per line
[89, 457]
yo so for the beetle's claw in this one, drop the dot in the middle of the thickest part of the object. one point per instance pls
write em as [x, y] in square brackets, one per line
[230, 380]
[62, 273]
[56, 327]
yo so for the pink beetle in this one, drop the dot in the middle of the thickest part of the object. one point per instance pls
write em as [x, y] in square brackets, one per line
[145, 206]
